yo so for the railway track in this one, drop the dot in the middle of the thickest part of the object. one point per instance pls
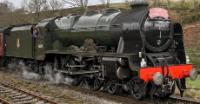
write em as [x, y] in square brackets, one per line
[12, 95]
[183, 100]
[8, 90]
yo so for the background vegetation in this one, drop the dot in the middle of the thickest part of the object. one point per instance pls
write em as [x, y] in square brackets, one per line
[32, 11]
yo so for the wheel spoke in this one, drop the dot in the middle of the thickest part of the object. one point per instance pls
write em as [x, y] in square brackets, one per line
[92, 84]
[84, 83]
[112, 89]
[137, 88]
[96, 83]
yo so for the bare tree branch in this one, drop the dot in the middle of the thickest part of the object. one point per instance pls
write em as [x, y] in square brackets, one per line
[36, 6]
[6, 7]
[77, 3]
[105, 2]
[56, 4]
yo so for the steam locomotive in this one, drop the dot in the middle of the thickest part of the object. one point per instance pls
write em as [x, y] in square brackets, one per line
[140, 51]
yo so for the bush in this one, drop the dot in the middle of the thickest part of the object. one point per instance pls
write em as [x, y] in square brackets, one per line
[192, 17]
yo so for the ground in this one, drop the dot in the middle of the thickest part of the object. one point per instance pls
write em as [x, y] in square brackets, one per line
[63, 93]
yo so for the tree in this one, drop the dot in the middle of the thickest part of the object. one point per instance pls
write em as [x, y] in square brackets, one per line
[56, 4]
[77, 3]
[196, 4]
[182, 3]
[168, 3]
[6, 7]
[36, 6]
[105, 2]
[108, 3]
[156, 3]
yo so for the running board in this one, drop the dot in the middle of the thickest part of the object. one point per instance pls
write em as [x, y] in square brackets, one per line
[75, 66]
[79, 72]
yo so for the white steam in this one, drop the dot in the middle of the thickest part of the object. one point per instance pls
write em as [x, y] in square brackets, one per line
[68, 80]
[49, 73]
[59, 78]
[52, 76]
[12, 66]
[27, 74]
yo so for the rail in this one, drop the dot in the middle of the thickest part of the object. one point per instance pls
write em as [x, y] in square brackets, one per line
[12, 95]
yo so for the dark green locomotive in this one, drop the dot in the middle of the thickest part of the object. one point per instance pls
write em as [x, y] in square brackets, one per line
[63, 32]
[130, 50]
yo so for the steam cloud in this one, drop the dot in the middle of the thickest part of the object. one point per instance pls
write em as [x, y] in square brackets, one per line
[27, 74]
[50, 76]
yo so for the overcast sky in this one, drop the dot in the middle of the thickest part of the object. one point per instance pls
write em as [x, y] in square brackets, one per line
[17, 3]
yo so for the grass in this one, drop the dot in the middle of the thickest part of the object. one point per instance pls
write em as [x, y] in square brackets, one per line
[194, 84]
[194, 55]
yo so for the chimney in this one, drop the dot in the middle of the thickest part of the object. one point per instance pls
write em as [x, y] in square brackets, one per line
[139, 3]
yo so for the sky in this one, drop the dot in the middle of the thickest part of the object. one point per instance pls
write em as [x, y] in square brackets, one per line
[18, 3]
